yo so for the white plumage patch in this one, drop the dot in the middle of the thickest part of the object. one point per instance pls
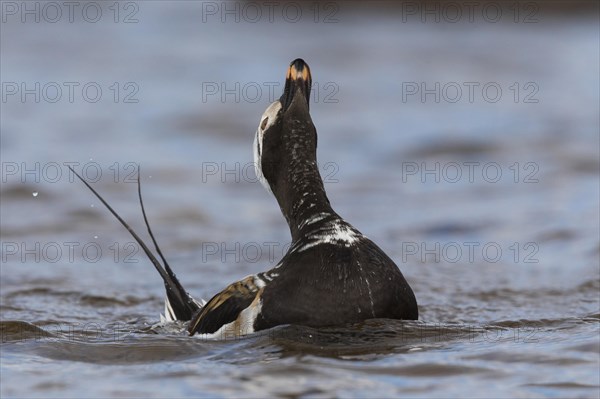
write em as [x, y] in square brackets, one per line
[333, 233]
[266, 121]
[343, 233]
[169, 315]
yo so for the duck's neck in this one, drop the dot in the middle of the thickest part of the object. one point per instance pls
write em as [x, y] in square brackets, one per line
[300, 192]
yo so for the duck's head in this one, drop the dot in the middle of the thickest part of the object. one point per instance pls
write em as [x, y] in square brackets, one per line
[286, 138]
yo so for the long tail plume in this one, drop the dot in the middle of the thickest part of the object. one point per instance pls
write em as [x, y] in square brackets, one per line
[181, 303]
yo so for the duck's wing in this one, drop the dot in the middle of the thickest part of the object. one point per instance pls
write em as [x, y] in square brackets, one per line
[232, 311]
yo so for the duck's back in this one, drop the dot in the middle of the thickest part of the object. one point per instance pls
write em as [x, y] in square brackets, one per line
[327, 283]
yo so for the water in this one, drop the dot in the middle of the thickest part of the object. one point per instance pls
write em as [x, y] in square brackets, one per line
[500, 242]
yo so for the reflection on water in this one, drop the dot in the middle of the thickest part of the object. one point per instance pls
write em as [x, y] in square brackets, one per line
[489, 206]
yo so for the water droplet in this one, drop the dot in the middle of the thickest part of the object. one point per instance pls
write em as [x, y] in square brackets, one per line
[35, 193]
[150, 177]
[91, 159]
[96, 237]
[92, 205]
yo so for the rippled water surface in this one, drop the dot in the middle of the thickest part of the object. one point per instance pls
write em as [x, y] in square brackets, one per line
[489, 207]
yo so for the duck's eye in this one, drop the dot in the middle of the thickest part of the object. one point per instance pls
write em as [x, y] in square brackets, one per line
[263, 124]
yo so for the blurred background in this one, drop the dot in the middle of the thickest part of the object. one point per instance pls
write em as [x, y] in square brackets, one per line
[462, 137]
